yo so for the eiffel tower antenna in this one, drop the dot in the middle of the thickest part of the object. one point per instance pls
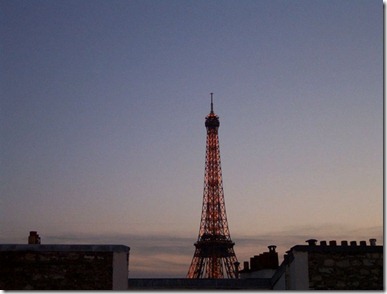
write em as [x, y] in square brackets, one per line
[212, 104]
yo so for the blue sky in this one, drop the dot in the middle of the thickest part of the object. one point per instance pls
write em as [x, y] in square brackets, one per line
[102, 123]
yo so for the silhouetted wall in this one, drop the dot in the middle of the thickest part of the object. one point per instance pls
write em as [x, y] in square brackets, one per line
[331, 267]
[349, 271]
[63, 267]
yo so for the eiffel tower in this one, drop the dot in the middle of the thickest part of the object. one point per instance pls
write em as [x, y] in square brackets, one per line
[214, 256]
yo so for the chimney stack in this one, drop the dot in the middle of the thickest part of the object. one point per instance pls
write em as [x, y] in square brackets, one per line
[332, 243]
[311, 242]
[236, 264]
[245, 265]
[272, 248]
[33, 238]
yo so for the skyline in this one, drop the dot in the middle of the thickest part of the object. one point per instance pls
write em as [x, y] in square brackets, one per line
[102, 123]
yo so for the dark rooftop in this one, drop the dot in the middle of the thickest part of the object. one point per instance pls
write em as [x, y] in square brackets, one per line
[61, 247]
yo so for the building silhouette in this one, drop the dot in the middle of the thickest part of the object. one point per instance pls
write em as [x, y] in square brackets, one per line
[36, 266]
[331, 266]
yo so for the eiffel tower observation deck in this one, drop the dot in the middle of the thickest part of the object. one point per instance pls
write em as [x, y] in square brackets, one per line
[214, 256]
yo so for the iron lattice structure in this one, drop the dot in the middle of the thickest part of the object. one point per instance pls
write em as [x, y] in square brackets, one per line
[214, 256]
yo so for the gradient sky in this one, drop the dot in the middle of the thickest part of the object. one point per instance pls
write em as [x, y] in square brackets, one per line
[102, 123]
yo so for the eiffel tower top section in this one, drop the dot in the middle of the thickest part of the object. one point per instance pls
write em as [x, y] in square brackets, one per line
[212, 120]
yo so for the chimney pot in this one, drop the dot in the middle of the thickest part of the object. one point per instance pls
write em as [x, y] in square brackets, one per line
[332, 243]
[311, 242]
[323, 243]
[344, 243]
[272, 248]
[353, 243]
[363, 243]
[373, 242]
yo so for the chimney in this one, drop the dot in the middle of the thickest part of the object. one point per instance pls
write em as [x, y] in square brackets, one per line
[323, 243]
[245, 265]
[344, 243]
[272, 257]
[272, 248]
[311, 242]
[372, 242]
[236, 264]
[363, 243]
[332, 243]
[33, 238]
[353, 243]
[287, 255]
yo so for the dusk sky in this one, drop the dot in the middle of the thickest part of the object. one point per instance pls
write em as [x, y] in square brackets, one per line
[102, 123]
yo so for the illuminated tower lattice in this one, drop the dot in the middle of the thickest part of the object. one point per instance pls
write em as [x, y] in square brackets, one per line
[214, 255]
